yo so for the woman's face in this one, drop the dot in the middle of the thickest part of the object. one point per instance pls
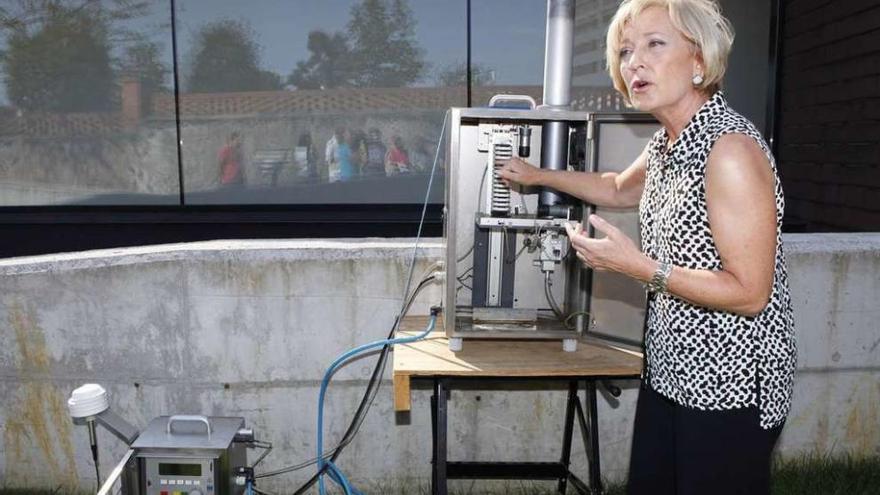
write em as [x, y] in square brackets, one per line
[657, 62]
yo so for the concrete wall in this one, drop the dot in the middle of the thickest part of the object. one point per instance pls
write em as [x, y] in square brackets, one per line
[248, 327]
[47, 171]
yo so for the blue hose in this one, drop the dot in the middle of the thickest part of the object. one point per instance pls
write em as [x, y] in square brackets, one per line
[333, 471]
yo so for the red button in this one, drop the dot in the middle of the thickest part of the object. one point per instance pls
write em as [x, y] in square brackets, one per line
[163, 493]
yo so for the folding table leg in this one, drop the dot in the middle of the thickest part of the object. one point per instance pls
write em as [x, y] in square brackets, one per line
[566, 435]
[434, 438]
[592, 408]
[439, 409]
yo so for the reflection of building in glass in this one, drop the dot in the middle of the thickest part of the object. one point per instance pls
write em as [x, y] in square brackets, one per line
[591, 86]
[591, 23]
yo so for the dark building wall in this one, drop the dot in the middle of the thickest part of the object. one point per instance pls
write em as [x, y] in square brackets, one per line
[829, 118]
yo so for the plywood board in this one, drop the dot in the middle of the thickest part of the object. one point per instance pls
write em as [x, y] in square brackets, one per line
[501, 358]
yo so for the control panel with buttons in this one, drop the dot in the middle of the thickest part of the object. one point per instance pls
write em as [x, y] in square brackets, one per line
[170, 476]
[188, 455]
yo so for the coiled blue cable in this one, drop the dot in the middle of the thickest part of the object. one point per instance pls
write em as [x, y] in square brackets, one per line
[333, 471]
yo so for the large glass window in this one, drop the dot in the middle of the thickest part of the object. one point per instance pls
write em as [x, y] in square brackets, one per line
[591, 86]
[78, 83]
[280, 102]
[507, 48]
[334, 101]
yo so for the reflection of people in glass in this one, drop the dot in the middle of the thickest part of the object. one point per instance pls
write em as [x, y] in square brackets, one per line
[229, 159]
[376, 150]
[421, 157]
[331, 154]
[344, 156]
[719, 343]
[359, 151]
[397, 161]
[304, 156]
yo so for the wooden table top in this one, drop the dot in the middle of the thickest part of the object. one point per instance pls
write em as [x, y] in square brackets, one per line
[500, 358]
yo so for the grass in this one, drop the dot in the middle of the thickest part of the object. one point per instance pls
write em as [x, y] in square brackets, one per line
[808, 475]
[815, 474]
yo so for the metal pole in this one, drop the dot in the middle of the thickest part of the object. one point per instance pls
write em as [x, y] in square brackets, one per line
[558, 52]
[566, 435]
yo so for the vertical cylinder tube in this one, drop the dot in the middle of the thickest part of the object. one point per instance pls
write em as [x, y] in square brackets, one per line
[554, 154]
[558, 50]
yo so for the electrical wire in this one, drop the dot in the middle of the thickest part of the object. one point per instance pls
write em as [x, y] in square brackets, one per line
[507, 259]
[461, 280]
[339, 478]
[372, 389]
[335, 473]
[263, 445]
[465, 255]
[97, 467]
[405, 305]
[557, 311]
[378, 370]
[549, 294]
[568, 324]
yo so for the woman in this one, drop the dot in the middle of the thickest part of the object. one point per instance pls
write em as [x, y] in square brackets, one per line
[229, 160]
[719, 341]
[397, 159]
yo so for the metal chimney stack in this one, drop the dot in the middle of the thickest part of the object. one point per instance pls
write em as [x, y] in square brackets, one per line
[558, 52]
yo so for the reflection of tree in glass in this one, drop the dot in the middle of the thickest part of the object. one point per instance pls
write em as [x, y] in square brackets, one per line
[226, 57]
[61, 64]
[59, 55]
[384, 50]
[328, 66]
[144, 60]
[456, 75]
[378, 51]
[25, 15]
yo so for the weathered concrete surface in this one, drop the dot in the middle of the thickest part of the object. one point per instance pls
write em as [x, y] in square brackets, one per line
[248, 327]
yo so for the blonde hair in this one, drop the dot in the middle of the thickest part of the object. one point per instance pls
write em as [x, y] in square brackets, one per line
[701, 23]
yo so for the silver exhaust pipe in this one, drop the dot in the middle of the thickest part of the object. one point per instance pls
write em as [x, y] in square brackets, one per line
[558, 53]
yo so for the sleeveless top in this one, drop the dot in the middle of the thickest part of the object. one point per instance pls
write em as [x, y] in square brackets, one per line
[699, 357]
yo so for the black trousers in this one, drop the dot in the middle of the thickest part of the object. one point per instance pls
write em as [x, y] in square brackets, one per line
[683, 451]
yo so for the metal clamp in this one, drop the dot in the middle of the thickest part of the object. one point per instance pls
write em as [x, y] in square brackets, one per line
[189, 417]
[520, 223]
[523, 98]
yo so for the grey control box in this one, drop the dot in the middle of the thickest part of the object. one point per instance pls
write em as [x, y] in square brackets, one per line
[187, 455]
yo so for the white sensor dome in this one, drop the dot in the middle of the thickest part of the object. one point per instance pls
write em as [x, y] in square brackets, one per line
[88, 400]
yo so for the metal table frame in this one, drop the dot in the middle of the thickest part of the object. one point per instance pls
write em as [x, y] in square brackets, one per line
[443, 469]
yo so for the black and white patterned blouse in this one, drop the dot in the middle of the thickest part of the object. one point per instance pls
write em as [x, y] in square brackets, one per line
[699, 357]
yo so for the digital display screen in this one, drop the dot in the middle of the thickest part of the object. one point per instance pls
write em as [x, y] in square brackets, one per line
[180, 469]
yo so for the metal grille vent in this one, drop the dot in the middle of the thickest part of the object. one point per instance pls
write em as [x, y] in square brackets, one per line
[501, 152]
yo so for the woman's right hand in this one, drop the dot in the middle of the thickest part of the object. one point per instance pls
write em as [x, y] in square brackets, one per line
[518, 171]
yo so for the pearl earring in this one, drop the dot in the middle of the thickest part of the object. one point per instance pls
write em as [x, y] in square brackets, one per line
[697, 80]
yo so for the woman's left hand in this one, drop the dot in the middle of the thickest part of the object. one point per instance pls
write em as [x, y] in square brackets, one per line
[616, 252]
